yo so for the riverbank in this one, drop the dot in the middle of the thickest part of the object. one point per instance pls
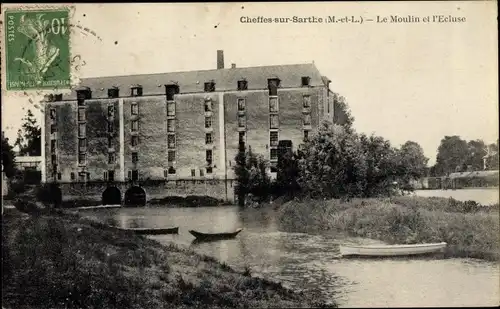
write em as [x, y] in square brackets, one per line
[59, 260]
[470, 230]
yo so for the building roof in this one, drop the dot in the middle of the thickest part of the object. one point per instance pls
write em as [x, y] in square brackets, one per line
[475, 174]
[193, 81]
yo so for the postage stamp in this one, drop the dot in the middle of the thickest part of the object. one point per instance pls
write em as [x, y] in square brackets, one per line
[37, 45]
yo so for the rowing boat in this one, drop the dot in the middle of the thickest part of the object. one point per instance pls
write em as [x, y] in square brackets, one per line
[391, 250]
[214, 236]
[153, 231]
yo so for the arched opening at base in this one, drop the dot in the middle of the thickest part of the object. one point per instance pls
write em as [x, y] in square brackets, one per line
[111, 196]
[135, 196]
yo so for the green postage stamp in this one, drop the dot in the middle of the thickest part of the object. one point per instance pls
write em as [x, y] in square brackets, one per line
[37, 49]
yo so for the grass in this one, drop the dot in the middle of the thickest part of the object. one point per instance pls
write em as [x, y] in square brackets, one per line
[404, 220]
[59, 260]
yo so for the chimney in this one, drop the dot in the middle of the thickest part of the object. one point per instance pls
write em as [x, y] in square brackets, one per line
[220, 59]
[233, 65]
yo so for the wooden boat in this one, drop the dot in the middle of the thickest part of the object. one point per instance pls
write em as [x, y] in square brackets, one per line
[391, 250]
[153, 231]
[214, 236]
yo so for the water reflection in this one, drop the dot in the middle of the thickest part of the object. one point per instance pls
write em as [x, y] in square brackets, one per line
[311, 263]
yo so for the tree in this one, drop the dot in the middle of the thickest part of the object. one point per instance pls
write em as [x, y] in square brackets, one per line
[251, 176]
[477, 150]
[491, 160]
[287, 174]
[8, 158]
[333, 164]
[452, 155]
[342, 113]
[29, 138]
[412, 163]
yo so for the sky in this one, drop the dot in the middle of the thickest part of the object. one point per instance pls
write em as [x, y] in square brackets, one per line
[404, 81]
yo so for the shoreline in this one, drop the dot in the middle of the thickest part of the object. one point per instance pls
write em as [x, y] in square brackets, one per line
[118, 269]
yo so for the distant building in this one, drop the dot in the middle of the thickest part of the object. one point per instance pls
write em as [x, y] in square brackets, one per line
[471, 180]
[30, 168]
[177, 133]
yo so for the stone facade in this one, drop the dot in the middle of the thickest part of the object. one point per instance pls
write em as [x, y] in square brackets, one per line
[136, 137]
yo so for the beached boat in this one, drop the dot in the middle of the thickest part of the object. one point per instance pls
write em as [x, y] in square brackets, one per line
[153, 231]
[214, 236]
[391, 250]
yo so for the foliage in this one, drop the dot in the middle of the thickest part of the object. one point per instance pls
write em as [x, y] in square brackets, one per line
[29, 139]
[8, 158]
[287, 174]
[476, 153]
[492, 159]
[342, 114]
[452, 154]
[332, 163]
[251, 175]
[412, 164]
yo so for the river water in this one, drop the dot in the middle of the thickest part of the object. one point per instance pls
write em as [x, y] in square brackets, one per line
[311, 263]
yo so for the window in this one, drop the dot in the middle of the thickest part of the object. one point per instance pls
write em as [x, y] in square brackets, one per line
[210, 86]
[273, 121]
[53, 114]
[134, 109]
[171, 170]
[272, 85]
[170, 125]
[171, 156]
[273, 105]
[307, 119]
[241, 137]
[82, 95]
[209, 170]
[305, 80]
[202, 173]
[53, 128]
[208, 105]
[208, 138]
[241, 121]
[58, 97]
[82, 144]
[193, 173]
[82, 176]
[135, 157]
[58, 176]
[111, 158]
[113, 93]
[242, 85]
[274, 154]
[53, 159]
[171, 141]
[136, 91]
[273, 139]
[241, 104]
[111, 175]
[171, 91]
[209, 156]
[306, 135]
[81, 130]
[72, 175]
[110, 142]
[135, 175]
[274, 169]
[111, 110]
[53, 146]
[328, 104]
[134, 140]
[171, 109]
[306, 101]
[111, 127]
[135, 125]
[81, 158]
[208, 122]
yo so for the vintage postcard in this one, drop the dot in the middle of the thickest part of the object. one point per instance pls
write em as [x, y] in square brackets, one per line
[253, 155]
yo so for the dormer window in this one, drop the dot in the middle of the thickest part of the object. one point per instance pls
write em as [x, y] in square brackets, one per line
[113, 92]
[273, 85]
[136, 91]
[58, 97]
[242, 85]
[171, 91]
[82, 94]
[210, 86]
[305, 80]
